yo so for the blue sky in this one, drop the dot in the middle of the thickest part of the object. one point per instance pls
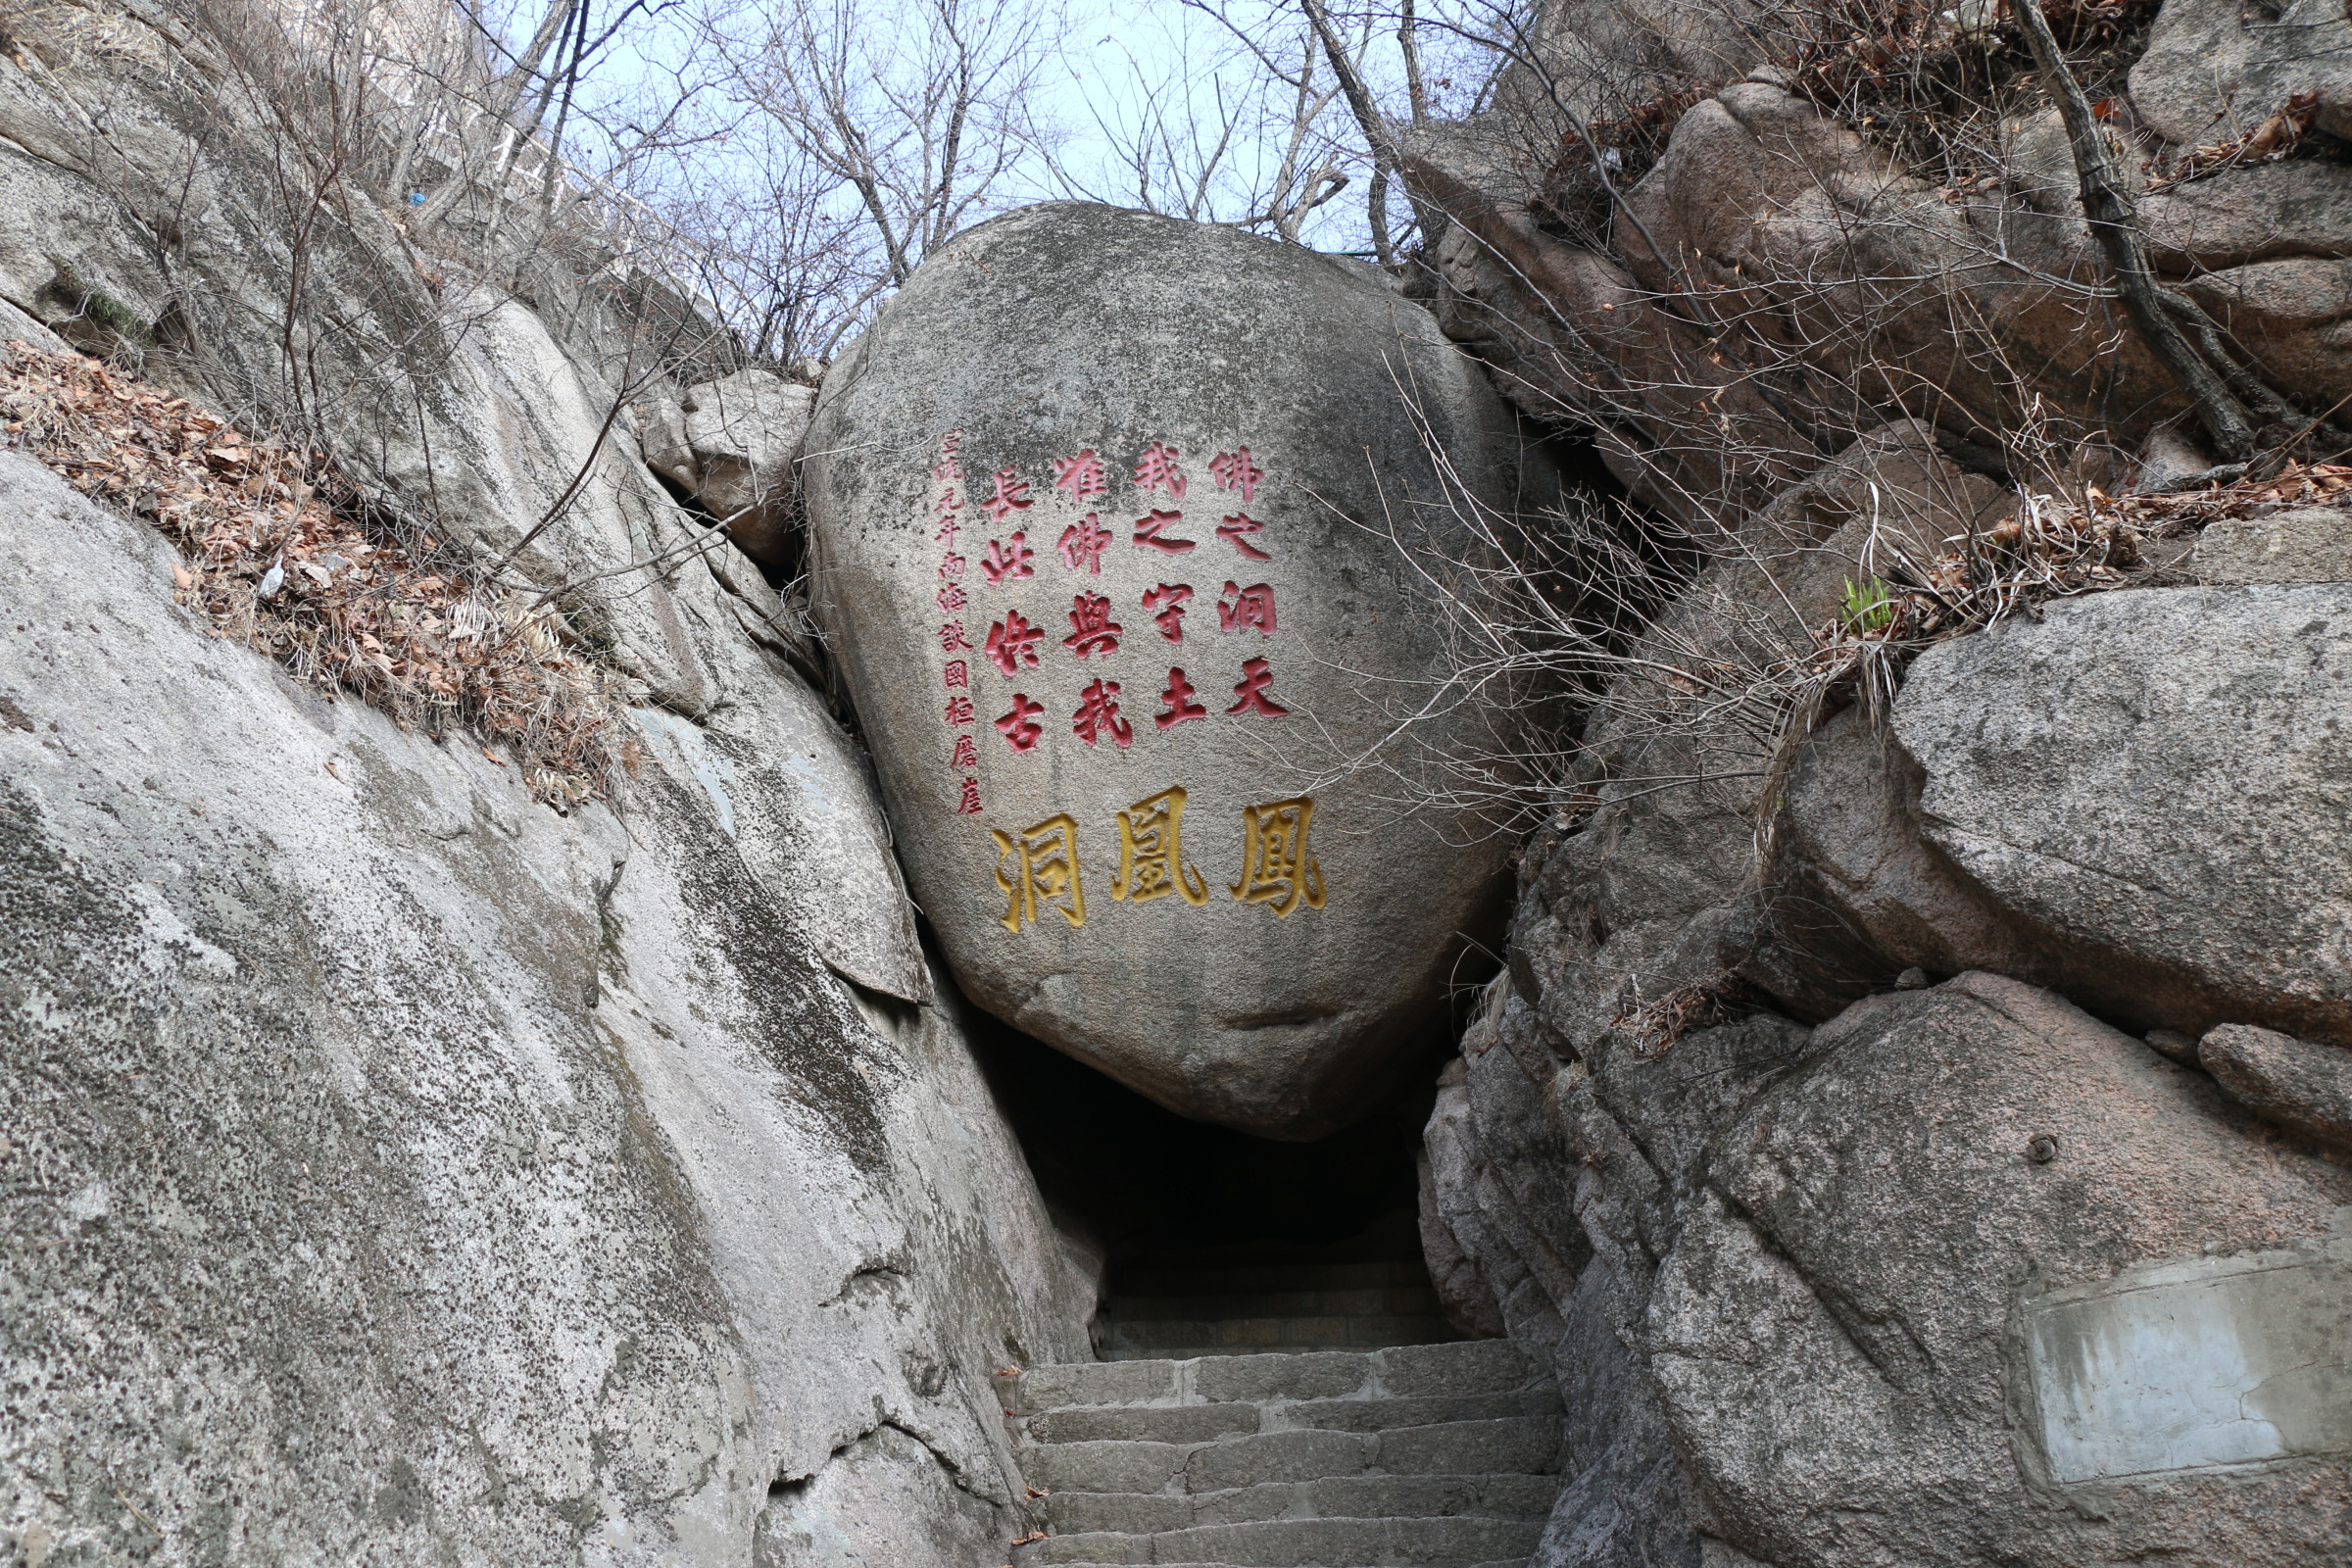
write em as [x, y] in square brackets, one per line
[1099, 79]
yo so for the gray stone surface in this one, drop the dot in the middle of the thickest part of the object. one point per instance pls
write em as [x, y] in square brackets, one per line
[1791, 1337]
[879, 1502]
[2296, 1084]
[734, 444]
[1273, 985]
[1326, 1375]
[2212, 70]
[396, 1169]
[1528, 1445]
[1465, 1491]
[1150, 1423]
[2301, 544]
[2211, 1363]
[1102, 1466]
[1375, 1416]
[1842, 1396]
[2155, 786]
[1278, 1457]
[461, 406]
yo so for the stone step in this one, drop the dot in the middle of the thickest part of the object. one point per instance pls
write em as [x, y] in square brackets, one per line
[1514, 1562]
[1263, 1335]
[1461, 1539]
[1507, 1496]
[1461, 1366]
[1393, 1300]
[1181, 1281]
[1518, 1444]
[1207, 1423]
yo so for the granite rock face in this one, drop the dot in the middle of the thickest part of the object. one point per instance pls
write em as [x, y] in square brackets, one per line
[1961, 1276]
[732, 444]
[1117, 522]
[395, 1169]
[2292, 1083]
[2159, 782]
[456, 401]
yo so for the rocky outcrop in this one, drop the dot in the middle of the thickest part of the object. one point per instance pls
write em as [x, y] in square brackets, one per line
[2300, 1086]
[395, 1163]
[1845, 1402]
[395, 1167]
[1133, 638]
[208, 236]
[733, 445]
[1832, 1277]
[2115, 801]
[1810, 253]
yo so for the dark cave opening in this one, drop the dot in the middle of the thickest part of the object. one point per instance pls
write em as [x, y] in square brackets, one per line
[1215, 1242]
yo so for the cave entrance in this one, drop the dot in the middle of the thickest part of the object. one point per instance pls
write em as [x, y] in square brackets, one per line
[1215, 1243]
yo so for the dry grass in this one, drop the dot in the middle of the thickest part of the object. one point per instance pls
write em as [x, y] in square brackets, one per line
[2051, 547]
[276, 554]
[1659, 1026]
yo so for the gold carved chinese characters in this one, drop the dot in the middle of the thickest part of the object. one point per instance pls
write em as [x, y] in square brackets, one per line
[1277, 870]
[1046, 872]
[1151, 863]
[1038, 869]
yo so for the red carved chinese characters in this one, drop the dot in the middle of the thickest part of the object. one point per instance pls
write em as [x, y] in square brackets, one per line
[1157, 470]
[1166, 606]
[1179, 699]
[1233, 470]
[1081, 543]
[1021, 727]
[1092, 630]
[1012, 494]
[1012, 643]
[1015, 644]
[1256, 678]
[1080, 478]
[1098, 713]
[1247, 607]
[1238, 525]
[956, 676]
[949, 472]
[1007, 561]
[1147, 533]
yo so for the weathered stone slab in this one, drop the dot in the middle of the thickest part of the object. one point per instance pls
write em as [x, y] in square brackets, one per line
[1108, 512]
[2150, 790]
[2303, 544]
[2198, 1364]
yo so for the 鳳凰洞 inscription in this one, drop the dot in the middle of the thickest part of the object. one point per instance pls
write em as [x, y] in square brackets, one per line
[1038, 869]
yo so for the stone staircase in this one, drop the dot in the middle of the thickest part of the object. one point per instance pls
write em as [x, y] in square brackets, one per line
[1175, 1312]
[1438, 1456]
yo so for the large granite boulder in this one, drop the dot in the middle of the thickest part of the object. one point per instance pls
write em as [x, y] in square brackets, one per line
[1987, 1281]
[732, 444]
[1123, 529]
[2214, 70]
[2137, 799]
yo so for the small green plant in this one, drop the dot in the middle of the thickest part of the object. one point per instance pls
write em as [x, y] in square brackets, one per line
[1868, 605]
